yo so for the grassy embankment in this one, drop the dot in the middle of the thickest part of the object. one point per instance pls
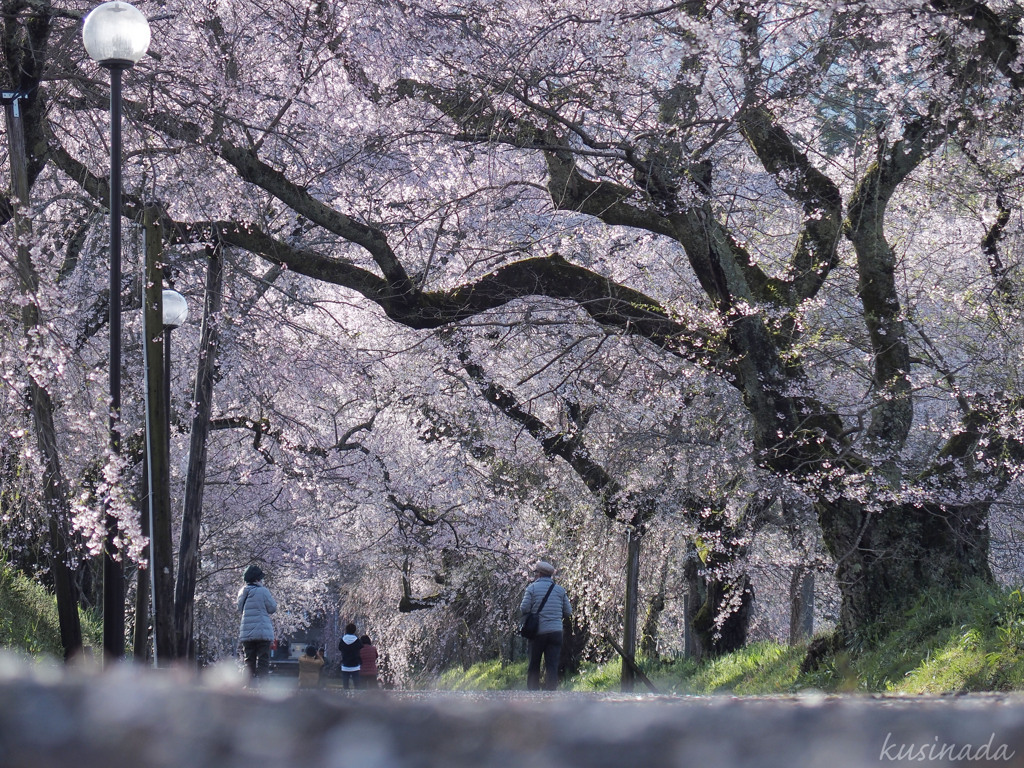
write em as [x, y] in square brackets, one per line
[28, 618]
[948, 643]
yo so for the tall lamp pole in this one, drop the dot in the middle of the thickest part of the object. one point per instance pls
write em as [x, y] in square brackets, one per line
[175, 313]
[168, 309]
[116, 36]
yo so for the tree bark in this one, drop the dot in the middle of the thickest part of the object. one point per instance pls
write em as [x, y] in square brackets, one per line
[801, 605]
[188, 548]
[143, 579]
[655, 606]
[718, 604]
[884, 559]
[633, 540]
[41, 404]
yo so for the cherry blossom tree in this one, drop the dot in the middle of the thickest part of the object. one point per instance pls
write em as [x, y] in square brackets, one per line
[810, 204]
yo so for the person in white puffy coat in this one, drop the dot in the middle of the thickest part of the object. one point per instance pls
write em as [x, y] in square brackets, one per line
[256, 631]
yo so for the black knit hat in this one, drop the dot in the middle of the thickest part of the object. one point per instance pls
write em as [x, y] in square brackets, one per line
[253, 574]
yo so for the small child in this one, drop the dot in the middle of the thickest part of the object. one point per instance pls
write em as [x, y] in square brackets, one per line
[310, 667]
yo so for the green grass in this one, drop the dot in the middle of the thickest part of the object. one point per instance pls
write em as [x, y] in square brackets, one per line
[972, 640]
[28, 618]
[759, 668]
[486, 676]
[968, 641]
[764, 667]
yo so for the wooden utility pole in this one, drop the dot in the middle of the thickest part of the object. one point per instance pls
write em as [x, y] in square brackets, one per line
[157, 447]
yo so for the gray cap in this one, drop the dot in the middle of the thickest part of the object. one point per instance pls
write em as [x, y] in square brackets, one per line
[544, 568]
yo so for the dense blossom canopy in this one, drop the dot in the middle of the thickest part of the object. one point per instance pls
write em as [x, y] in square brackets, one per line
[505, 278]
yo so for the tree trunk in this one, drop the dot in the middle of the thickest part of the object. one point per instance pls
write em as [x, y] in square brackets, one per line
[801, 605]
[55, 495]
[628, 677]
[883, 560]
[655, 607]
[188, 548]
[54, 486]
[691, 643]
[719, 600]
[143, 590]
[731, 600]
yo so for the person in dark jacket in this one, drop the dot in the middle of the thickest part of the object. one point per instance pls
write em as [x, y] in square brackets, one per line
[256, 630]
[349, 645]
[548, 641]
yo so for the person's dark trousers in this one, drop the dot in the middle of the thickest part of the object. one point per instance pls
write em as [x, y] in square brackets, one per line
[350, 678]
[257, 657]
[548, 645]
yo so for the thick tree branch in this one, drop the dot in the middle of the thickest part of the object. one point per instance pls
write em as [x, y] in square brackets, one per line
[553, 442]
[990, 247]
[815, 252]
[607, 201]
[1001, 35]
[876, 265]
[257, 172]
[609, 303]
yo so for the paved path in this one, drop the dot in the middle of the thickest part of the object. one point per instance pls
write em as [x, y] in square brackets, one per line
[125, 719]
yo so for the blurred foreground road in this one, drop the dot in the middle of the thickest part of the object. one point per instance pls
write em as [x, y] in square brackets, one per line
[132, 719]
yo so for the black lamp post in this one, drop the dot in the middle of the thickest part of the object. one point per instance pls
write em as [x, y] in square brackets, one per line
[173, 312]
[116, 36]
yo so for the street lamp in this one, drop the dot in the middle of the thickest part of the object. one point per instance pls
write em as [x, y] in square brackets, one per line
[116, 36]
[175, 313]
